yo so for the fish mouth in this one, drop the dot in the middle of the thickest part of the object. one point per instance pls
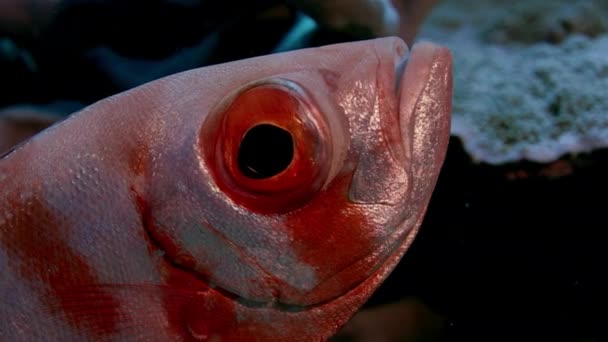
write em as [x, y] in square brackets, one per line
[400, 70]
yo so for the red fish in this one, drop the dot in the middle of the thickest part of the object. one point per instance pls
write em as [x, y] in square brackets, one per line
[263, 199]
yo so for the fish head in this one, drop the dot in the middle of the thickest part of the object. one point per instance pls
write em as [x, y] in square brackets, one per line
[299, 179]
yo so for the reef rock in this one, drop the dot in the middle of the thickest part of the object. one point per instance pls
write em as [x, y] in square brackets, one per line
[530, 78]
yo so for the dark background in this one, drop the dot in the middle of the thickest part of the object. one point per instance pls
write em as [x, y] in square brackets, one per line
[512, 259]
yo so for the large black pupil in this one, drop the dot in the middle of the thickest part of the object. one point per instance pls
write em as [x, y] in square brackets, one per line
[265, 151]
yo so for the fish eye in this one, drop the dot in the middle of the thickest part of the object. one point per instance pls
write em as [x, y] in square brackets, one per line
[267, 146]
[265, 151]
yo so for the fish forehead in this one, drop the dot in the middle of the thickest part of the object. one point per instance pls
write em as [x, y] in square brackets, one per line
[332, 62]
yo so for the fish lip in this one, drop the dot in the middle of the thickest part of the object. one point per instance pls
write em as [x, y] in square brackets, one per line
[414, 74]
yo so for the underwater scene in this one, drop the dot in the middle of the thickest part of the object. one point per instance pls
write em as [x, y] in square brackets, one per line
[303, 170]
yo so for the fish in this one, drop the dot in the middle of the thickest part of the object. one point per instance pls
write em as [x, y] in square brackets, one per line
[261, 199]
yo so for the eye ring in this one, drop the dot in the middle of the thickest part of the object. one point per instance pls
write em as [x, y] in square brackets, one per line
[277, 105]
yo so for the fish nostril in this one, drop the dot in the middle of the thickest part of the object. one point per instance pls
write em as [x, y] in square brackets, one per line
[265, 151]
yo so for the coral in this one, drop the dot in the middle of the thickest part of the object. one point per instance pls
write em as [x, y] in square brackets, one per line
[530, 81]
[531, 22]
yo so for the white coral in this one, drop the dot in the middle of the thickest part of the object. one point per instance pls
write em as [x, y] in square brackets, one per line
[518, 97]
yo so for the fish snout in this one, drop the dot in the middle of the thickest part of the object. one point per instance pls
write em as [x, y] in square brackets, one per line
[406, 125]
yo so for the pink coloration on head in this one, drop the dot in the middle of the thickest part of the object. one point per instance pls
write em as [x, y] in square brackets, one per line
[151, 187]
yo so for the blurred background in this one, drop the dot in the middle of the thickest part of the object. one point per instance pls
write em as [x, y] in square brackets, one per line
[513, 244]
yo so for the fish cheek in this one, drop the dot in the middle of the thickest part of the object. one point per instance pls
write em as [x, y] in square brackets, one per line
[331, 234]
